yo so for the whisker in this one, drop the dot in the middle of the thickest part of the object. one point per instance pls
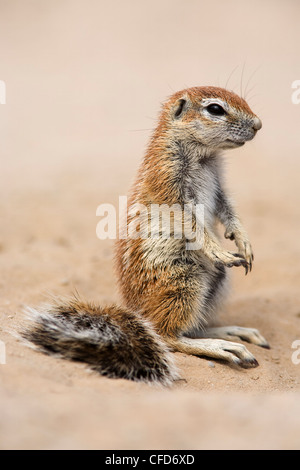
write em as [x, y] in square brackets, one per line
[252, 96]
[249, 79]
[251, 89]
[232, 72]
[242, 76]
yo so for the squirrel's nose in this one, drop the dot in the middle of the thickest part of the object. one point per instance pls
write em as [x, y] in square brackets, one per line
[257, 124]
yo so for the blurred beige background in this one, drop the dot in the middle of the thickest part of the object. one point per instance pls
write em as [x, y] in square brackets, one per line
[84, 83]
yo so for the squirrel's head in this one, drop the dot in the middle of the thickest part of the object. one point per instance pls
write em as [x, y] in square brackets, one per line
[216, 118]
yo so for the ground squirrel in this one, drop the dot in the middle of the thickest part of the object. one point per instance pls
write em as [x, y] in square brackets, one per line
[170, 292]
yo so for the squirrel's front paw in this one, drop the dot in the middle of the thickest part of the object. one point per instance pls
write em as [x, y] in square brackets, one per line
[244, 247]
[228, 259]
[245, 250]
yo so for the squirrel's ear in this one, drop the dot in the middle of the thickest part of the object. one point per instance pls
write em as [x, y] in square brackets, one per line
[180, 107]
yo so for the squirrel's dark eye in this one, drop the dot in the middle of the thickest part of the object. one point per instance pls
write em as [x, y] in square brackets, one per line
[216, 110]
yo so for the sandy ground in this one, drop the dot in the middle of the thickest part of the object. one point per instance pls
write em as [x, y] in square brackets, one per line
[84, 82]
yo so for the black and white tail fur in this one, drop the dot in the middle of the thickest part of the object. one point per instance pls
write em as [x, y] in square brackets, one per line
[112, 341]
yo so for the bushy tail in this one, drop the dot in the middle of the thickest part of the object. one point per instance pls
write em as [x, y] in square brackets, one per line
[112, 341]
